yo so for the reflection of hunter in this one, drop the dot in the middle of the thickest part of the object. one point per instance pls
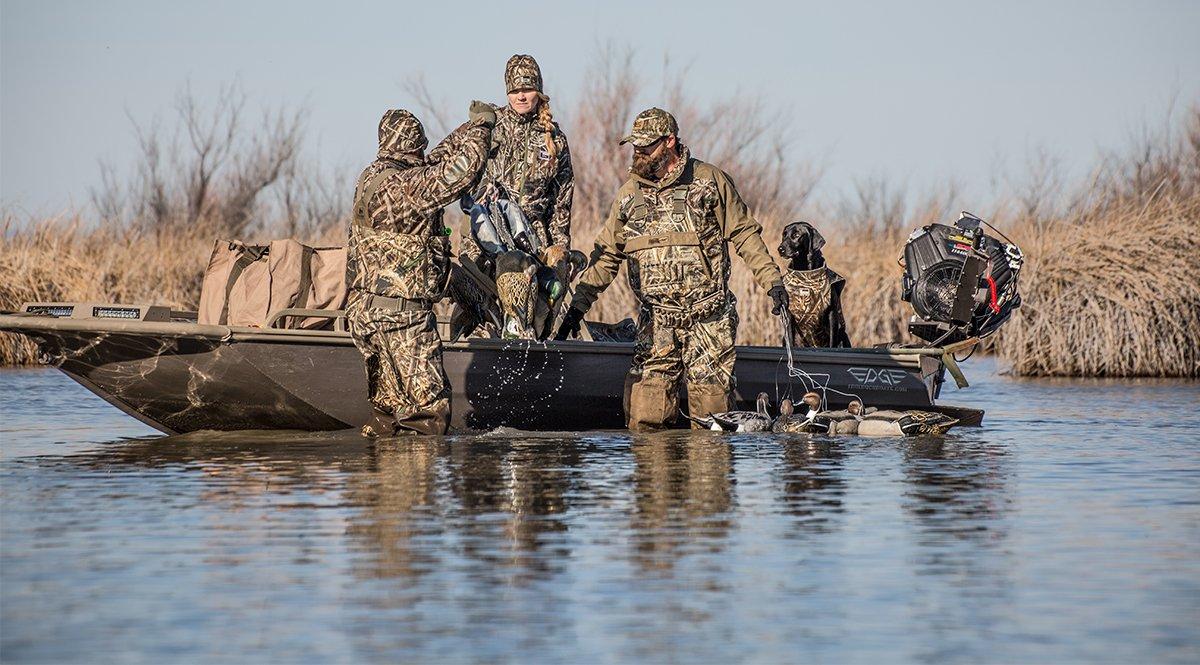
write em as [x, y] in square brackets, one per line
[674, 220]
[398, 264]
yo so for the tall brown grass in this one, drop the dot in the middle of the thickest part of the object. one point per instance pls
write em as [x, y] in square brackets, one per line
[1109, 286]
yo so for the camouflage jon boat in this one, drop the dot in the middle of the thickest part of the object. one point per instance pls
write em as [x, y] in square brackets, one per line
[176, 375]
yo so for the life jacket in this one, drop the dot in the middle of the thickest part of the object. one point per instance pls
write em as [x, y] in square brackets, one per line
[810, 293]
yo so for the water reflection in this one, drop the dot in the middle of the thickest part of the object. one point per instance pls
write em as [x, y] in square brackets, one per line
[958, 488]
[397, 494]
[509, 500]
[812, 482]
[1049, 535]
[683, 493]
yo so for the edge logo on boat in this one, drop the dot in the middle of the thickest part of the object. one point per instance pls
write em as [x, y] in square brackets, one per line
[870, 376]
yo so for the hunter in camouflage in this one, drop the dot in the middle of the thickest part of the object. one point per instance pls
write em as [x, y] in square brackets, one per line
[531, 162]
[398, 264]
[674, 220]
[530, 166]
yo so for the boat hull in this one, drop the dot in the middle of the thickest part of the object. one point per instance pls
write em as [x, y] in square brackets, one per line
[182, 377]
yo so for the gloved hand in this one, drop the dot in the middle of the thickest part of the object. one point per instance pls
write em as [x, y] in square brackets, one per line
[570, 324]
[483, 112]
[779, 298]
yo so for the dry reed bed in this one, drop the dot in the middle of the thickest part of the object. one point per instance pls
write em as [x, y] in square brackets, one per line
[1105, 296]
[1113, 295]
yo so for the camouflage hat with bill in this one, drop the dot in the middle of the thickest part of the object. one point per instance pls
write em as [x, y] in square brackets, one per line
[522, 73]
[651, 125]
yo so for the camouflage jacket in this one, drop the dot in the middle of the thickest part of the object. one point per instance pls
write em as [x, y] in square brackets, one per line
[676, 234]
[543, 187]
[398, 247]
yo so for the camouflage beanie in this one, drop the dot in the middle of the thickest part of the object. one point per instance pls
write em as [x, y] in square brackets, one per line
[401, 132]
[522, 73]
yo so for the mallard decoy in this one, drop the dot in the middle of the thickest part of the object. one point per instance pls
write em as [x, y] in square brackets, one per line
[738, 421]
[790, 421]
[905, 423]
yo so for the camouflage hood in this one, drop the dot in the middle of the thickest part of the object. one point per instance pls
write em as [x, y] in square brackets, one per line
[401, 136]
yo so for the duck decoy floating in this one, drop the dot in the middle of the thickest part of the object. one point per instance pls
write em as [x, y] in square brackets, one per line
[738, 421]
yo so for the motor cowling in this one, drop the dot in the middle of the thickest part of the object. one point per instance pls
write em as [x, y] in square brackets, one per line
[960, 281]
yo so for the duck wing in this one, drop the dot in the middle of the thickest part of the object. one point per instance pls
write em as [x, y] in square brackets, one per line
[802, 425]
[848, 426]
[483, 230]
[879, 427]
[518, 226]
[886, 414]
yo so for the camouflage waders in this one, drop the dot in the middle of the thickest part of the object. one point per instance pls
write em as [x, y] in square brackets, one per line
[406, 382]
[675, 233]
[701, 353]
[398, 264]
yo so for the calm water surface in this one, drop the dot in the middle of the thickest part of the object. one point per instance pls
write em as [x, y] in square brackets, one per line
[1066, 529]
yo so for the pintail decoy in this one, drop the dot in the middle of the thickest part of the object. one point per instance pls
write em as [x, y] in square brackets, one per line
[905, 423]
[808, 421]
[847, 420]
[738, 421]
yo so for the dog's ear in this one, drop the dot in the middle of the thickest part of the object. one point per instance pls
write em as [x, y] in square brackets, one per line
[815, 239]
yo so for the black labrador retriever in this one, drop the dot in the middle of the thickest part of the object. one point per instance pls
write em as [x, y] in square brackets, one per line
[814, 291]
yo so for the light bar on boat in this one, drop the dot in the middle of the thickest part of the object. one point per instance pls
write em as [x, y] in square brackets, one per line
[94, 310]
[59, 311]
[117, 313]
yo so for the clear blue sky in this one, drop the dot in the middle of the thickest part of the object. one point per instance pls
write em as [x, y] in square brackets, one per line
[918, 92]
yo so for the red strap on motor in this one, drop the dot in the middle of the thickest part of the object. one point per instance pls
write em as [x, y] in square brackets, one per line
[995, 303]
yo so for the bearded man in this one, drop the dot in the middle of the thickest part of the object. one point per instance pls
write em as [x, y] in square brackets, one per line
[674, 220]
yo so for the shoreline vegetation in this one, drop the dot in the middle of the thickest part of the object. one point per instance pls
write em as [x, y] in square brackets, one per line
[1109, 288]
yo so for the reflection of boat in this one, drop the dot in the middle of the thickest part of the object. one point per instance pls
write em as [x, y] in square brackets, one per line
[179, 376]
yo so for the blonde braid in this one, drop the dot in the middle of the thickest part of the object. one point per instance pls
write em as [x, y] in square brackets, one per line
[546, 120]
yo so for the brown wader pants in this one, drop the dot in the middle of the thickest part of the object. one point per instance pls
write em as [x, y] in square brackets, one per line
[700, 352]
[406, 382]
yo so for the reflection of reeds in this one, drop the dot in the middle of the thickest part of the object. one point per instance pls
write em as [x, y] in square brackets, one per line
[1109, 287]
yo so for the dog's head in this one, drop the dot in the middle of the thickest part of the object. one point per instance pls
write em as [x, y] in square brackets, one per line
[801, 245]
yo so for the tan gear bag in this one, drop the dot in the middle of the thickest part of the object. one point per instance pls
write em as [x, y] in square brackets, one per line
[245, 285]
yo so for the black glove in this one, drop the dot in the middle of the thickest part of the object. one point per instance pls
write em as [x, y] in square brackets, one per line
[483, 112]
[570, 325]
[779, 298]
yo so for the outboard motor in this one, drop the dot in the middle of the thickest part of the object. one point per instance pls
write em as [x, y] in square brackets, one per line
[961, 282]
